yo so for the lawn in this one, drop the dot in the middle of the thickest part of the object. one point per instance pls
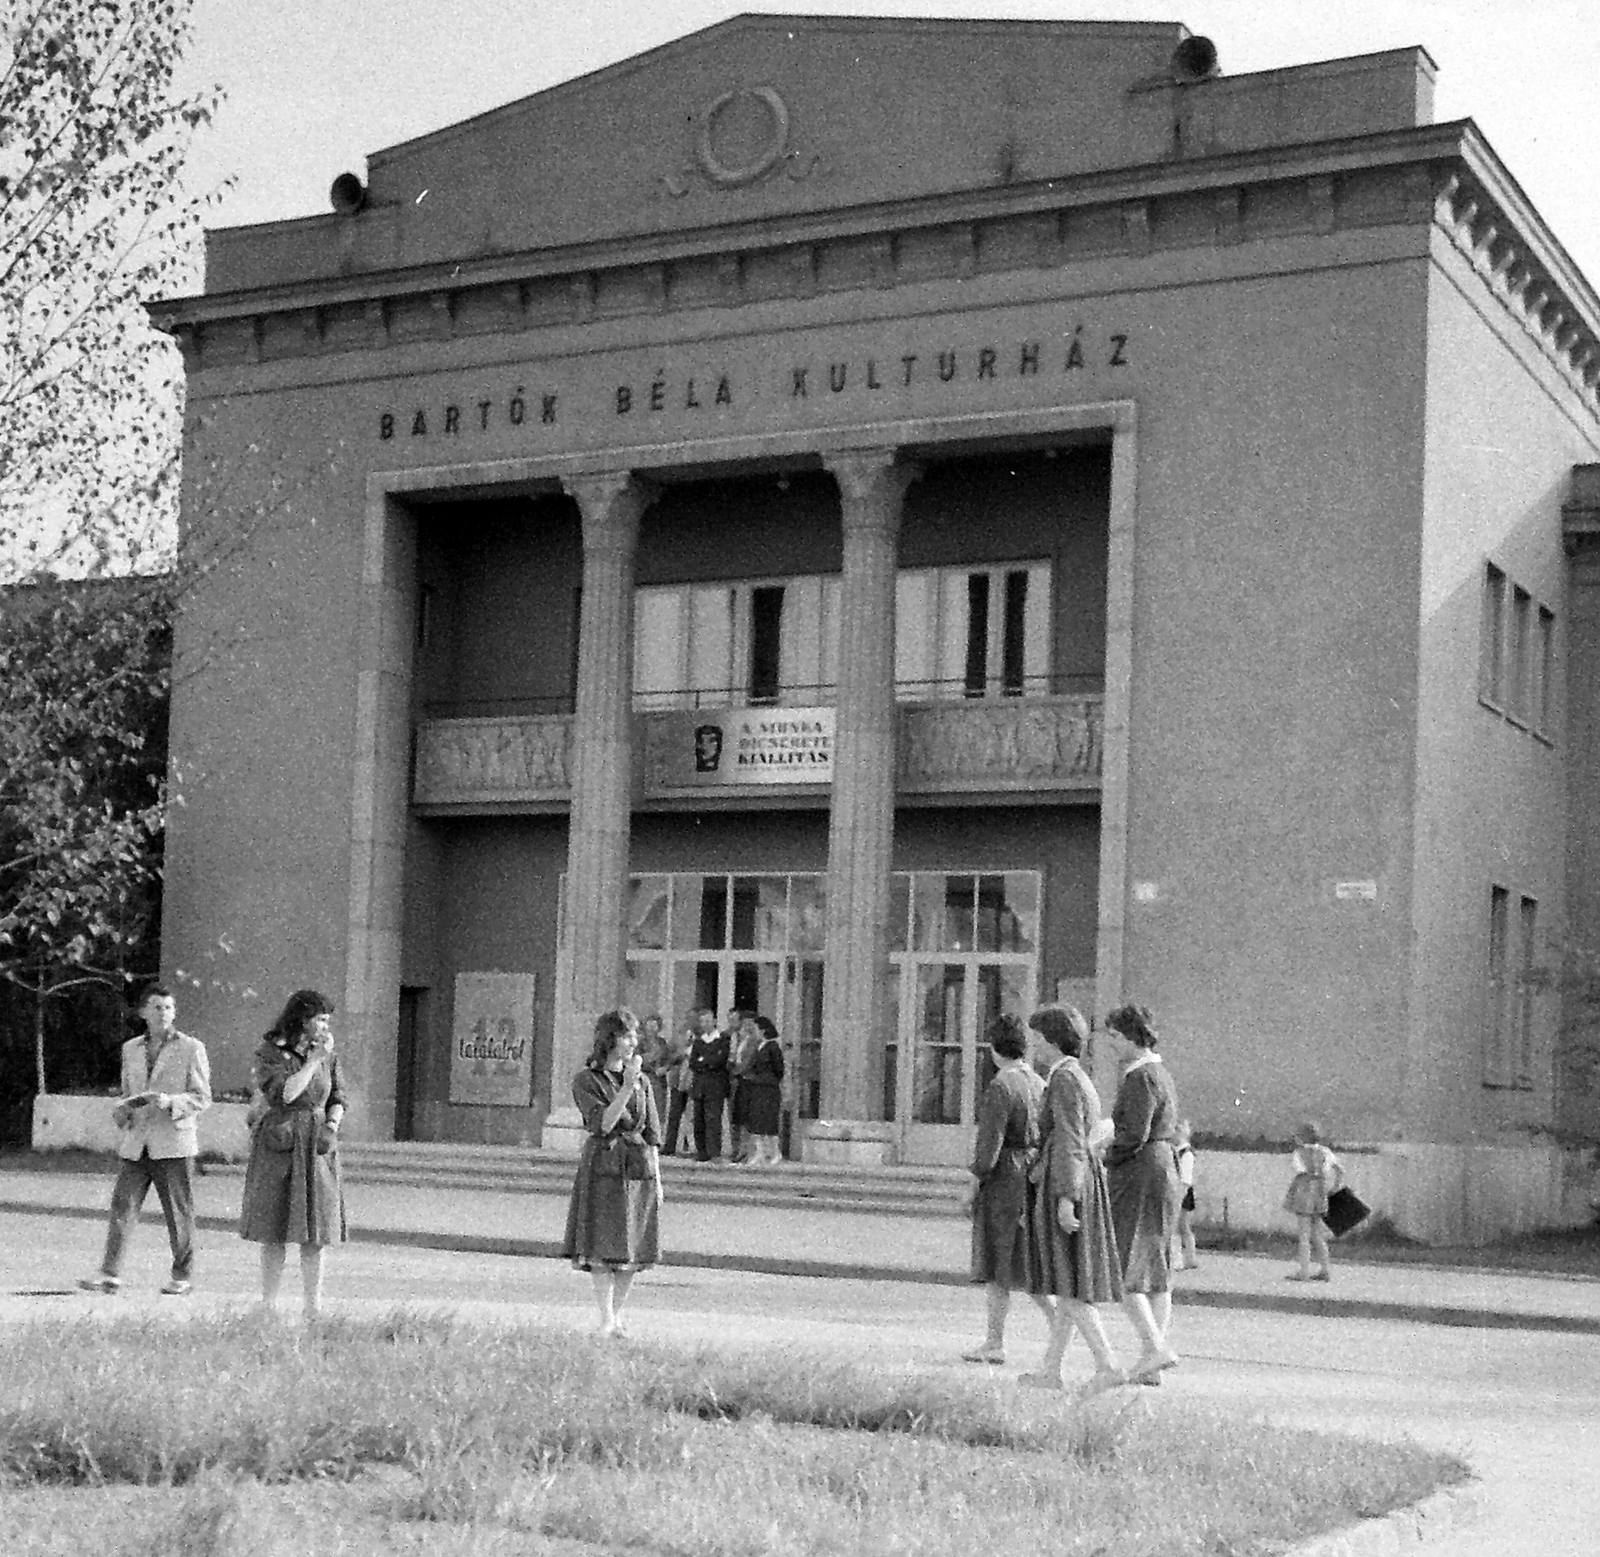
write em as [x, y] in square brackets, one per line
[247, 1438]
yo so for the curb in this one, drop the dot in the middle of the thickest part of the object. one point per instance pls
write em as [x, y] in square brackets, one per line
[831, 1270]
[1403, 1529]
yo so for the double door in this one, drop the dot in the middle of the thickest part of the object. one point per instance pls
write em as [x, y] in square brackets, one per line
[784, 987]
[937, 1062]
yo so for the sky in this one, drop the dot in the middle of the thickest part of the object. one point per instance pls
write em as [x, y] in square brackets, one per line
[313, 85]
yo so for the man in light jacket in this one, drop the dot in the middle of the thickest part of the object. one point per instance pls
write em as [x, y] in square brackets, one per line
[166, 1083]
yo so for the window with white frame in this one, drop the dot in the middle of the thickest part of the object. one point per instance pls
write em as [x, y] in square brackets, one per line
[749, 642]
[959, 633]
[972, 632]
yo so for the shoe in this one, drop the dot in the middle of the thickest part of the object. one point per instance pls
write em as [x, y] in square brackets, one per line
[101, 1283]
[1322, 1275]
[1190, 1265]
[995, 1356]
[177, 1288]
[1151, 1364]
[1151, 1381]
[1298, 1275]
[1039, 1381]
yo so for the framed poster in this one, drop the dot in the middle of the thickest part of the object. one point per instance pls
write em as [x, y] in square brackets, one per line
[491, 1049]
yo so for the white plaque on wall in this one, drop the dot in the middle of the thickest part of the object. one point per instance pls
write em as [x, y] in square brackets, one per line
[491, 1047]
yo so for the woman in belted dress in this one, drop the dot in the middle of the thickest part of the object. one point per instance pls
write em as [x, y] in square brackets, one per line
[1073, 1248]
[761, 1095]
[614, 1216]
[293, 1192]
[1142, 1175]
[1008, 1138]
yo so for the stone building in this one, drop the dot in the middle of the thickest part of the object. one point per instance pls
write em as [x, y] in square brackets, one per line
[889, 521]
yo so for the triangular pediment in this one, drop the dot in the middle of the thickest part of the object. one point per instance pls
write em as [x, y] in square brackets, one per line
[763, 117]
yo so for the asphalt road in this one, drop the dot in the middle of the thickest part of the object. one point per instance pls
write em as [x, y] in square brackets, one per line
[1523, 1407]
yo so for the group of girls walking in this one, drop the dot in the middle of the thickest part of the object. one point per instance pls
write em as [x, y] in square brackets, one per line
[1051, 1219]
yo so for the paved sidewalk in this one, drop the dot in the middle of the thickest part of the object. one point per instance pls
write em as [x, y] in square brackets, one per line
[862, 1246]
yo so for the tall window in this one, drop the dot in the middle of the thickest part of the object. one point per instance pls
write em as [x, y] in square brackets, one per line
[712, 645]
[972, 632]
[1527, 985]
[1497, 1014]
[1544, 667]
[1521, 666]
[1492, 640]
[959, 633]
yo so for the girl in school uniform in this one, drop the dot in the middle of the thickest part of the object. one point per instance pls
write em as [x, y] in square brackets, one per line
[1317, 1174]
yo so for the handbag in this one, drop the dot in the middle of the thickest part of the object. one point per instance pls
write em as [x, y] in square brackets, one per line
[1346, 1209]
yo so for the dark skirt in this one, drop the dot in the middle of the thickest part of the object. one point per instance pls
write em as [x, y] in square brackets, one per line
[610, 1221]
[1000, 1224]
[760, 1106]
[1083, 1265]
[293, 1196]
[1145, 1192]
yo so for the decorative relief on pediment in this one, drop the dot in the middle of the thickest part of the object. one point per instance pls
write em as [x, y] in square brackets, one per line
[476, 761]
[743, 138]
[1050, 743]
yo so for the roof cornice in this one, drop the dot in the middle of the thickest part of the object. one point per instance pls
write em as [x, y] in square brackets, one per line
[1474, 200]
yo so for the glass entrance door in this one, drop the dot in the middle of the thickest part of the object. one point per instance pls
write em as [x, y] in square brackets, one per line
[939, 1063]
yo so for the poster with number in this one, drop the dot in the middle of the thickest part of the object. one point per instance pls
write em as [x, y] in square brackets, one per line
[491, 1053]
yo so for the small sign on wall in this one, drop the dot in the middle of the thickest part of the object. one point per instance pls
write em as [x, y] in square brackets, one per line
[491, 1051]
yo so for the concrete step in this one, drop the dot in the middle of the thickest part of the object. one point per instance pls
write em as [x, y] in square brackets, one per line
[910, 1191]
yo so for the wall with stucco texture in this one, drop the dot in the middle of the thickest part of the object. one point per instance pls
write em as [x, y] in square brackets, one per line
[1490, 798]
[258, 837]
[1276, 386]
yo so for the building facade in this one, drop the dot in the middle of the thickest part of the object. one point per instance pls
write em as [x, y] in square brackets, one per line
[889, 522]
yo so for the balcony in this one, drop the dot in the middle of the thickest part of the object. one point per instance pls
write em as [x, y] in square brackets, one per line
[982, 746]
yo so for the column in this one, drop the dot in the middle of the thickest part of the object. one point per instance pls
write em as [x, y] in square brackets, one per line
[861, 822]
[602, 781]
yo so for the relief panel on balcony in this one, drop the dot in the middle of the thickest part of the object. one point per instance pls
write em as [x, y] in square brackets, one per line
[990, 745]
[481, 761]
[985, 746]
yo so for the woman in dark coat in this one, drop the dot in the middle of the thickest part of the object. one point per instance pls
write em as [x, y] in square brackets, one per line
[613, 1218]
[1142, 1175]
[1008, 1137]
[1073, 1248]
[761, 1096]
[292, 1188]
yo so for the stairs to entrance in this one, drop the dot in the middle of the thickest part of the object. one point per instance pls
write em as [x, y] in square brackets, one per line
[905, 1191]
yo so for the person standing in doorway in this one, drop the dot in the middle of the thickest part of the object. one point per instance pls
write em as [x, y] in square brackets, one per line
[166, 1085]
[761, 1094]
[708, 1084]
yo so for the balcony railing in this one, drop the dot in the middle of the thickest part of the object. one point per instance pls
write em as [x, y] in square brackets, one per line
[991, 745]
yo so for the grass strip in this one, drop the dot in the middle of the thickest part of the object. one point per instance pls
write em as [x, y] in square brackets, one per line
[527, 1439]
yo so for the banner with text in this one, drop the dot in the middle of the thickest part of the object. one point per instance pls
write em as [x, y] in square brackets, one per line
[738, 746]
[491, 1051]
